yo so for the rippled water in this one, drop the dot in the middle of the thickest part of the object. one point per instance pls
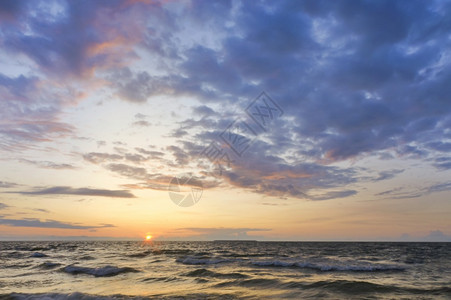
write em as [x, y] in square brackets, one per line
[224, 270]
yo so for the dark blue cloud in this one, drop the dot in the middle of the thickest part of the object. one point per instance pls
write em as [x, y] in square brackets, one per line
[354, 78]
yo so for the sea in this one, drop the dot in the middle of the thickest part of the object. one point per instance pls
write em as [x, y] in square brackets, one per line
[224, 270]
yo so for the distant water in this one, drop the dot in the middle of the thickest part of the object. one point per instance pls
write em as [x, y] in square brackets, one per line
[224, 270]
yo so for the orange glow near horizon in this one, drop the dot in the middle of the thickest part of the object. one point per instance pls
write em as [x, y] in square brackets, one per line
[148, 237]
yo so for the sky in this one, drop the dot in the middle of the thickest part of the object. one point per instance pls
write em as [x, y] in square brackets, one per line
[200, 120]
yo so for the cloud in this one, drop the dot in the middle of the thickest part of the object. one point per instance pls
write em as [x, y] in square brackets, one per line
[389, 192]
[203, 110]
[97, 158]
[48, 164]
[136, 158]
[4, 184]
[334, 195]
[101, 144]
[65, 190]
[388, 174]
[9, 9]
[273, 176]
[128, 171]
[140, 120]
[358, 101]
[354, 100]
[30, 112]
[352, 84]
[403, 193]
[65, 45]
[3, 206]
[442, 163]
[152, 154]
[41, 210]
[69, 49]
[142, 123]
[181, 156]
[440, 187]
[31, 222]
[149, 178]
[66, 238]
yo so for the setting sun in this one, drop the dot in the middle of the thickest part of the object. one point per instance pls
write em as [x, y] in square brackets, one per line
[148, 237]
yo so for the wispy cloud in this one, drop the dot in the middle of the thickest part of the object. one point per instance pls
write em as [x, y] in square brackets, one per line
[385, 175]
[407, 193]
[41, 210]
[4, 184]
[129, 171]
[65, 190]
[97, 158]
[31, 222]
[48, 164]
[333, 195]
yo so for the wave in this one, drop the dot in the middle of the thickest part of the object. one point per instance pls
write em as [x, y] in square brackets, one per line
[165, 279]
[14, 254]
[139, 254]
[365, 287]
[106, 271]
[255, 282]
[208, 273]
[325, 266]
[250, 255]
[48, 265]
[57, 296]
[330, 268]
[354, 287]
[84, 296]
[202, 261]
[173, 251]
[273, 263]
[38, 254]
[87, 257]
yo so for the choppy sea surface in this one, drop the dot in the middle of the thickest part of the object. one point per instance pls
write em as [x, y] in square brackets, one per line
[224, 270]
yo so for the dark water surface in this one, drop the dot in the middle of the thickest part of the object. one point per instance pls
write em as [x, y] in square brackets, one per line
[224, 270]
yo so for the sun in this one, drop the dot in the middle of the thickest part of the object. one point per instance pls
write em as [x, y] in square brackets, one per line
[148, 237]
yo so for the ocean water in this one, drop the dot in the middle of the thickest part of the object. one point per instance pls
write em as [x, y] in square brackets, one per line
[224, 270]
